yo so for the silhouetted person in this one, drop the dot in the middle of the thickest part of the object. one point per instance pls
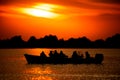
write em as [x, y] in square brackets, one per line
[56, 54]
[75, 58]
[75, 55]
[42, 55]
[51, 54]
[43, 58]
[54, 57]
[62, 55]
[88, 59]
[51, 57]
[87, 55]
[62, 58]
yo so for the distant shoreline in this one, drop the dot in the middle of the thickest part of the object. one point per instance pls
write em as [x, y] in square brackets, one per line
[59, 48]
[51, 41]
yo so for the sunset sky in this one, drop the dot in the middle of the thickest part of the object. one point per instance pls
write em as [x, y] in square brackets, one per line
[94, 19]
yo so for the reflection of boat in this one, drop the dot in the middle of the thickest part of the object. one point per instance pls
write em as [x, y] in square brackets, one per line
[62, 59]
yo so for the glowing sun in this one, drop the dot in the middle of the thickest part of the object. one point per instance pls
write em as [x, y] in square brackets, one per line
[42, 10]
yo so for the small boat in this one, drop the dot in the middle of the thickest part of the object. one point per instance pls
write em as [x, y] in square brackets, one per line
[55, 58]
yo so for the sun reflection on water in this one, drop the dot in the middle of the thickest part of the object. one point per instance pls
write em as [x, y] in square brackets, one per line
[38, 72]
[41, 78]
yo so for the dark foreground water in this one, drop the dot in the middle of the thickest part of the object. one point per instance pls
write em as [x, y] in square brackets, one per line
[13, 66]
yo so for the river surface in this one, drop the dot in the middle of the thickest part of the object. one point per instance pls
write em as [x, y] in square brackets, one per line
[13, 66]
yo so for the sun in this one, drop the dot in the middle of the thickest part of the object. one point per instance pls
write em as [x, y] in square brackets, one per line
[42, 10]
[40, 13]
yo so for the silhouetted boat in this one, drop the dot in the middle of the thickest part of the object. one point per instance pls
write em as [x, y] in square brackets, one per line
[63, 59]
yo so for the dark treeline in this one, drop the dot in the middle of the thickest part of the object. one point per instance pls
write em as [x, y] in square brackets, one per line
[53, 42]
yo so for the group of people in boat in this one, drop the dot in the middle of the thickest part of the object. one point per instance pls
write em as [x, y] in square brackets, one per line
[61, 58]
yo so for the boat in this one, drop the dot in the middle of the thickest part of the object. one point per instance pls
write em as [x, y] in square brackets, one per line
[60, 58]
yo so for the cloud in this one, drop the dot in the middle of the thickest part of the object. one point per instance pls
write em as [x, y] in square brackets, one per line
[4, 2]
[72, 5]
[115, 18]
[107, 1]
[112, 15]
[65, 2]
[112, 21]
[7, 2]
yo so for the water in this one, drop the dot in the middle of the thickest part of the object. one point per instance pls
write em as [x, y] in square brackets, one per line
[13, 66]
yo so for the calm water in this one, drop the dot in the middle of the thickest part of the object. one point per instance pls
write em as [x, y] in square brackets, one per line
[13, 66]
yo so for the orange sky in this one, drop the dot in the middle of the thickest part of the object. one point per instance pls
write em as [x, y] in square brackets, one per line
[65, 18]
